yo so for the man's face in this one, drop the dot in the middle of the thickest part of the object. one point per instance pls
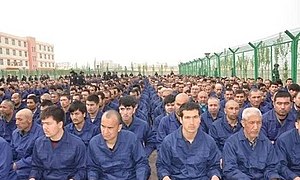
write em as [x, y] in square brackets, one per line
[297, 100]
[84, 95]
[232, 110]
[126, 113]
[15, 98]
[5, 109]
[110, 128]
[282, 106]
[213, 106]
[228, 95]
[91, 107]
[190, 121]
[178, 102]
[218, 89]
[273, 88]
[240, 99]
[23, 122]
[169, 107]
[31, 104]
[64, 102]
[194, 91]
[51, 127]
[77, 117]
[202, 98]
[235, 87]
[252, 126]
[255, 98]
[54, 98]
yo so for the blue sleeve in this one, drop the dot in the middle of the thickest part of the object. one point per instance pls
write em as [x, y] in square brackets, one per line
[150, 141]
[141, 161]
[272, 164]
[230, 165]
[37, 165]
[81, 161]
[213, 132]
[5, 160]
[161, 133]
[93, 168]
[163, 161]
[282, 155]
[214, 161]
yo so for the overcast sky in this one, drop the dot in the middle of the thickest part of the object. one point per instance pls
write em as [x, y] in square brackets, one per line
[151, 31]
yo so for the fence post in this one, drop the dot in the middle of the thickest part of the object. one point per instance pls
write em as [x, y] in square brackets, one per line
[233, 60]
[294, 55]
[219, 63]
[255, 58]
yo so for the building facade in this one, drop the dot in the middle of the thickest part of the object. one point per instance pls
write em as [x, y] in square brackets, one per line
[25, 53]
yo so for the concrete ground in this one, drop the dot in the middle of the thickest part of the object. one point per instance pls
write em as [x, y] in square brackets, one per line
[152, 161]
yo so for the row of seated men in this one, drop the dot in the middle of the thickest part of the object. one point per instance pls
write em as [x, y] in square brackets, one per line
[128, 108]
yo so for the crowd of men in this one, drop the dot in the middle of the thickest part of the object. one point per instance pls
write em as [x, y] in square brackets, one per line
[201, 128]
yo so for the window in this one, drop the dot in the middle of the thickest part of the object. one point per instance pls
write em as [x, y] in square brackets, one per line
[41, 56]
[20, 53]
[48, 56]
[25, 53]
[7, 51]
[45, 64]
[0, 39]
[45, 56]
[44, 48]
[19, 43]
[52, 57]
[26, 63]
[8, 62]
[6, 40]
[1, 61]
[41, 64]
[15, 63]
[52, 64]
[25, 44]
[14, 52]
[40, 47]
[0, 50]
[21, 63]
[13, 42]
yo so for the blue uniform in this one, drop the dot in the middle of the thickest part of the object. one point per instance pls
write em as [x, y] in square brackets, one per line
[127, 160]
[97, 120]
[67, 160]
[36, 115]
[167, 125]
[288, 150]
[7, 128]
[6, 159]
[87, 132]
[143, 133]
[180, 159]
[22, 146]
[207, 120]
[271, 126]
[241, 161]
[221, 130]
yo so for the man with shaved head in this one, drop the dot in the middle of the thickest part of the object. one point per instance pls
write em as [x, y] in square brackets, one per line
[8, 121]
[171, 123]
[224, 127]
[22, 142]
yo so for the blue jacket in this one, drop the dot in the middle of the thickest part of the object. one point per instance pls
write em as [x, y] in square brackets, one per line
[36, 115]
[22, 146]
[180, 159]
[127, 160]
[221, 130]
[167, 125]
[88, 131]
[240, 161]
[6, 159]
[7, 128]
[67, 160]
[207, 120]
[288, 150]
[143, 133]
[97, 120]
[272, 128]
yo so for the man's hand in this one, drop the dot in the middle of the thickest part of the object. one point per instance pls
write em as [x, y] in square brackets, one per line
[32, 179]
[14, 166]
[297, 178]
[215, 178]
[166, 178]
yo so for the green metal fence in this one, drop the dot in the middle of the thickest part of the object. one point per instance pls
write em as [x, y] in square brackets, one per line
[256, 59]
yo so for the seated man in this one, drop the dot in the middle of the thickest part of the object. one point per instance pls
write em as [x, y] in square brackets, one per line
[79, 126]
[22, 142]
[58, 154]
[212, 114]
[188, 152]
[249, 154]
[116, 153]
[288, 149]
